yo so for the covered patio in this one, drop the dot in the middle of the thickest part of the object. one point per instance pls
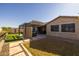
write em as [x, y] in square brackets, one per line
[32, 29]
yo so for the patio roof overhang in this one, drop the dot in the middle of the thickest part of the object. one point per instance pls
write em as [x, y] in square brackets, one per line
[32, 24]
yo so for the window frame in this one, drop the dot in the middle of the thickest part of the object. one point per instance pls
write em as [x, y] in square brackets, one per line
[68, 27]
[54, 28]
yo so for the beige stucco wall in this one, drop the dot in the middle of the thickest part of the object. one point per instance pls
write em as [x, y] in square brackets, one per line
[28, 33]
[64, 20]
[16, 30]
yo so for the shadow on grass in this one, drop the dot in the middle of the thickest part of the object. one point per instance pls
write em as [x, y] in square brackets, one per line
[56, 45]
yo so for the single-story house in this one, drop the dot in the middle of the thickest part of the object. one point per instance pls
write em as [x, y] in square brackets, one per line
[64, 26]
[61, 26]
[32, 28]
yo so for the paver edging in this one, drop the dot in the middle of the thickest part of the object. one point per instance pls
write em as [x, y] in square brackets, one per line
[25, 50]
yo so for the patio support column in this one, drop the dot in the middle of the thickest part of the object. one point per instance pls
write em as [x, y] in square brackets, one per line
[24, 30]
[19, 30]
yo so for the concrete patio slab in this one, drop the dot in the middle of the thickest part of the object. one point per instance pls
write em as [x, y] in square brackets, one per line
[15, 49]
[21, 54]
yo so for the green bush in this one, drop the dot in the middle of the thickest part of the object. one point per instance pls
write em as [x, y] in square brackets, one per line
[13, 37]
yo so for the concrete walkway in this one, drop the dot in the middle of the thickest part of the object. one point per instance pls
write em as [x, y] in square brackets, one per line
[15, 49]
[12, 49]
[39, 37]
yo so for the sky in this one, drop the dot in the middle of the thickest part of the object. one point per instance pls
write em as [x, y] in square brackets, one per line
[12, 15]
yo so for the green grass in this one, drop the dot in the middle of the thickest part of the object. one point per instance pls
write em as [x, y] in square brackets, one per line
[12, 37]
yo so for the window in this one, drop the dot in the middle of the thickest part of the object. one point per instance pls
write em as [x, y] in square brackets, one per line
[55, 28]
[68, 27]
